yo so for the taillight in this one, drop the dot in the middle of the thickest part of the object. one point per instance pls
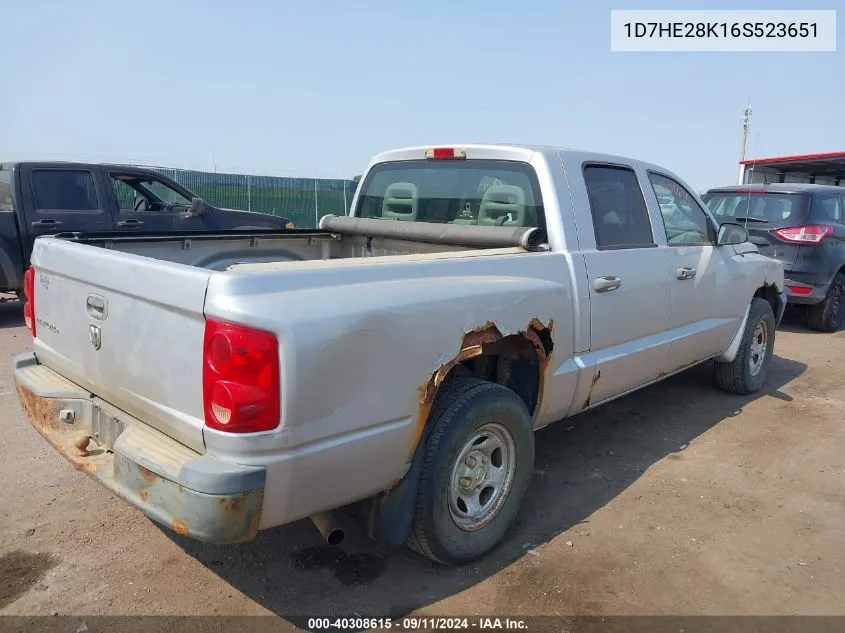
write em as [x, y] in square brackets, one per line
[29, 293]
[240, 378]
[813, 234]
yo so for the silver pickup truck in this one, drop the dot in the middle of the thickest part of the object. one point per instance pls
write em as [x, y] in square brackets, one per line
[402, 356]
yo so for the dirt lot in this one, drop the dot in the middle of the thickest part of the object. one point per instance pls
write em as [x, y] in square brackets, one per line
[677, 500]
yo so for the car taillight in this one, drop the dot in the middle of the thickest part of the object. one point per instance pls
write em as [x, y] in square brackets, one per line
[29, 293]
[813, 234]
[240, 378]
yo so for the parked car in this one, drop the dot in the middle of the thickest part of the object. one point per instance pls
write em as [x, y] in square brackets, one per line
[801, 226]
[402, 356]
[45, 198]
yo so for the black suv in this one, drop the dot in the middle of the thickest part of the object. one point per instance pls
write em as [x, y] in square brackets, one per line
[802, 226]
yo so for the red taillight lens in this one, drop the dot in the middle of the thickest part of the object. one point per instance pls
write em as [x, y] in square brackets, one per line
[240, 378]
[29, 292]
[813, 234]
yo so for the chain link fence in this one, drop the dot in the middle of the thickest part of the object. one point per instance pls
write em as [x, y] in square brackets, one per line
[302, 200]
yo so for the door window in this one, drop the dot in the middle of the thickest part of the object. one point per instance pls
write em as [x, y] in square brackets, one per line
[139, 193]
[684, 221]
[64, 190]
[620, 216]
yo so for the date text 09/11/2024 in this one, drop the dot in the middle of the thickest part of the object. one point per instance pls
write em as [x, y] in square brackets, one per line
[417, 623]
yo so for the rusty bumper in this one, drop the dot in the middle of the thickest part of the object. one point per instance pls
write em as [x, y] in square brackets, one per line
[195, 495]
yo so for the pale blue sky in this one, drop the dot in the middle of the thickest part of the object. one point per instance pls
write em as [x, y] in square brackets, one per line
[314, 88]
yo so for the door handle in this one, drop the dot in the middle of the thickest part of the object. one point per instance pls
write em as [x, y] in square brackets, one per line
[606, 283]
[685, 272]
[46, 222]
[130, 223]
[95, 305]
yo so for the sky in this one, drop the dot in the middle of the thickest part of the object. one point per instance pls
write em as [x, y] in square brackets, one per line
[313, 89]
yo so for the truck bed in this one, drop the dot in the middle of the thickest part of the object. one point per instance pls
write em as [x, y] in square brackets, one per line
[147, 297]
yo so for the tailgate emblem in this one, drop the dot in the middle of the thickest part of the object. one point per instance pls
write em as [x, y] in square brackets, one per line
[94, 335]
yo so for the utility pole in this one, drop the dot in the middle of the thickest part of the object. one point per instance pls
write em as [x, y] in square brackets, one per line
[746, 125]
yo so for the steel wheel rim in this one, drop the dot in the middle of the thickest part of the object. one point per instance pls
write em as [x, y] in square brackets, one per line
[482, 477]
[759, 345]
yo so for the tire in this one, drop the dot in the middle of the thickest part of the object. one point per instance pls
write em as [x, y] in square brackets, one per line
[827, 316]
[464, 410]
[747, 372]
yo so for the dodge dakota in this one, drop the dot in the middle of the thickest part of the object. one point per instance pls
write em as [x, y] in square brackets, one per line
[401, 357]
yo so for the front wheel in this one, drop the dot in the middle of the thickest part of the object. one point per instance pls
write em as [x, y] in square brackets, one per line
[747, 372]
[478, 461]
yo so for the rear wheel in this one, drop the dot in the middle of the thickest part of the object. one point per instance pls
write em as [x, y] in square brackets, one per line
[747, 372]
[478, 461]
[827, 316]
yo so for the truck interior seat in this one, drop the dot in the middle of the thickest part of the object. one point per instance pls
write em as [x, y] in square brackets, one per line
[502, 205]
[401, 202]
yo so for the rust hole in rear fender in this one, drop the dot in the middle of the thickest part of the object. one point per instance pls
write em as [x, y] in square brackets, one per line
[487, 340]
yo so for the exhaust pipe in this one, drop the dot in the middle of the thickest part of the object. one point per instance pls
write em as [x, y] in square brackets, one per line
[329, 528]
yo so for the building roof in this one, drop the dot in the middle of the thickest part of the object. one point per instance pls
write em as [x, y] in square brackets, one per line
[774, 187]
[827, 162]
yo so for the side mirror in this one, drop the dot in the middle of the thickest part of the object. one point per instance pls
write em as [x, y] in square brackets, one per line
[731, 233]
[197, 208]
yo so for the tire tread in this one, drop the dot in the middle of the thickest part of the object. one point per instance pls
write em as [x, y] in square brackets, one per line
[450, 395]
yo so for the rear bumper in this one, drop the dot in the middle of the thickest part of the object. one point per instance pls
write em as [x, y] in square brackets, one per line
[194, 495]
[817, 288]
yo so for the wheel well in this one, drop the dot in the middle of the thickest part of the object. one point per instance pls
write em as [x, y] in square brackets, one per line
[770, 294]
[517, 361]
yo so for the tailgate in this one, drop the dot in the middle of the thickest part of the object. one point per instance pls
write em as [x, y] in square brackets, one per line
[127, 328]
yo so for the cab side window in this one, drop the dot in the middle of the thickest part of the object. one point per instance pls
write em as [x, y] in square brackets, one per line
[620, 216]
[685, 222]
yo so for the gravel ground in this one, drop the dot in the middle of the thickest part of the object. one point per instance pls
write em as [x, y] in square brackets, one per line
[678, 499]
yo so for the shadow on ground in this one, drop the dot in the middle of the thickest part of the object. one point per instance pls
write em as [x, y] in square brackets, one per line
[582, 463]
[11, 314]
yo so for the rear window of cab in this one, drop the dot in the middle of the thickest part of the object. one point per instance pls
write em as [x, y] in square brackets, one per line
[472, 192]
